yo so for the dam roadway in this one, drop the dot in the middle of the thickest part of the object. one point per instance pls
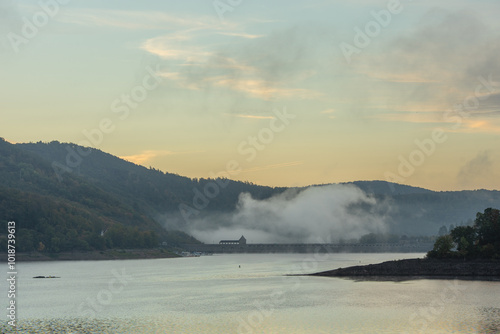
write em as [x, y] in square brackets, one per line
[310, 248]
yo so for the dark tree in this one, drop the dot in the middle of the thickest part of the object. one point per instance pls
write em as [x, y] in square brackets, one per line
[464, 237]
[442, 247]
[481, 240]
[487, 226]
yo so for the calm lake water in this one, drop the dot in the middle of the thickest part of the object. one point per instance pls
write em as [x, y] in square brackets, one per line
[212, 294]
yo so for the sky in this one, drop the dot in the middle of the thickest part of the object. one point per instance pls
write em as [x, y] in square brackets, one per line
[279, 93]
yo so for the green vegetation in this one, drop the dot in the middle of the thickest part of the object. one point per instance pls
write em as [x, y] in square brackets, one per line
[408, 210]
[48, 224]
[145, 189]
[482, 240]
[72, 215]
[99, 201]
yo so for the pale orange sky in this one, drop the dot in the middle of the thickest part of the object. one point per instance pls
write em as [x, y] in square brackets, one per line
[293, 93]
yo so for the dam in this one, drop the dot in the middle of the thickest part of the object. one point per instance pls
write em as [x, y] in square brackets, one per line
[241, 246]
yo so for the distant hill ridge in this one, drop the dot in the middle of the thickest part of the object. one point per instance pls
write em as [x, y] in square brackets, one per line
[387, 188]
[112, 193]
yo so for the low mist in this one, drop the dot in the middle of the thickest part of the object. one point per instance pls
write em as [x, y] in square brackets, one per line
[319, 214]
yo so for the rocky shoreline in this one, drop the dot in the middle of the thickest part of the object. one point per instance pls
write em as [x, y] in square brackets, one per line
[421, 268]
[110, 254]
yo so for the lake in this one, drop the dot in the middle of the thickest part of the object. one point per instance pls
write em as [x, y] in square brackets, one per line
[244, 293]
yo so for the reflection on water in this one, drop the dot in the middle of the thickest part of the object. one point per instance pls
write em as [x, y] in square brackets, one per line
[489, 322]
[110, 326]
[80, 326]
[215, 295]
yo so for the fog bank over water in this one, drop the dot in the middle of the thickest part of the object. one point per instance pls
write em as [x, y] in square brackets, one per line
[314, 215]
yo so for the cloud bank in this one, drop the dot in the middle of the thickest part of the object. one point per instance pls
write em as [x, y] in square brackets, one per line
[315, 215]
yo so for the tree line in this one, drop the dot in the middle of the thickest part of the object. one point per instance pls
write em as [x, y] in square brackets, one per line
[481, 240]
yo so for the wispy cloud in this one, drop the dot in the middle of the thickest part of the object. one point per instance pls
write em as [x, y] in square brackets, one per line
[478, 172]
[133, 20]
[261, 89]
[471, 125]
[243, 35]
[407, 77]
[426, 72]
[144, 156]
[218, 62]
[148, 155]
[171, 46]
[249, 84]
[251, 65]
[328, 111]
[257, 117]
[411, 117]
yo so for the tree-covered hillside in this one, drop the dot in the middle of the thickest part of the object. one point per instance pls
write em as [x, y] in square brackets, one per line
[65, 197]
[69, 214]
[145, 188]
[419, 213]
[61, 203]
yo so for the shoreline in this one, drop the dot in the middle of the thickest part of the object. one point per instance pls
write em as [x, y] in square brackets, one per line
[413, 269]
[109, 254]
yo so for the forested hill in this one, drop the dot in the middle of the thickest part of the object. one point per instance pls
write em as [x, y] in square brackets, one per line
[390, 189]
[418, 211]
[144, 188]
[64, 196]
[69, 214]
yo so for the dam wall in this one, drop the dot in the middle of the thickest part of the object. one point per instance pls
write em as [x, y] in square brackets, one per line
[310, 248]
